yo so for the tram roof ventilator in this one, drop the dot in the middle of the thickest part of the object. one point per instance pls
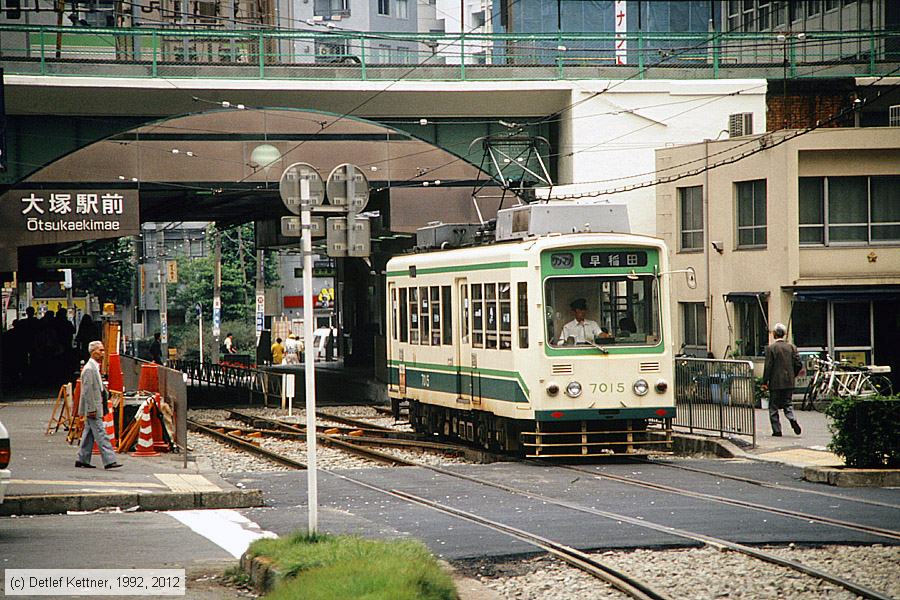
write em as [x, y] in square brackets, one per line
[529, 220]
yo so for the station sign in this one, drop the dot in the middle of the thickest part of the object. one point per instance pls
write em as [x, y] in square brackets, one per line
[66, 261]
[36, 217]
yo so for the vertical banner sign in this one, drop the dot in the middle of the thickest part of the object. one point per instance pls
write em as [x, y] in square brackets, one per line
[260, 314]
[217, 316]
[621, 32]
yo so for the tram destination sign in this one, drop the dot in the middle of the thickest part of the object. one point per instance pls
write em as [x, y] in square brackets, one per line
[604, 260]
[32, 217]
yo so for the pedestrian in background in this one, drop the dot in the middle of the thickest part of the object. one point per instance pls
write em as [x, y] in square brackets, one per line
[156, 349]
[229, 344]
[782, 366]
[277, 352]
[90, 407]
[292, 350]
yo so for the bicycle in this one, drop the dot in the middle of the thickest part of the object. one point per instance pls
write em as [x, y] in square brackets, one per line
[834, 379]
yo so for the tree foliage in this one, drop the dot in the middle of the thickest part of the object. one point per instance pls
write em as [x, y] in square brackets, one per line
[196, 278]
[112, 278]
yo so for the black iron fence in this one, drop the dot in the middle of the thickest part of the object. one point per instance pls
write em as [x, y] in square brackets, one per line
[715, 395]
[210, 383]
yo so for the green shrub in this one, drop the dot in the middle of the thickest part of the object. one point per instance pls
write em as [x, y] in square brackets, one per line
[324, 567]
[866, 431]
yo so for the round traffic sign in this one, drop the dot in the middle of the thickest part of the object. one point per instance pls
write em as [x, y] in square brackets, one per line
[297, 180]
[348, 186]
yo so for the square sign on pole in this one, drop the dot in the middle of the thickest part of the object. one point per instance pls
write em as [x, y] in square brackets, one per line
[336, 236]
[359, 231]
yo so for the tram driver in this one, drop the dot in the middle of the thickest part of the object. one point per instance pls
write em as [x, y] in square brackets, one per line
[581, 330]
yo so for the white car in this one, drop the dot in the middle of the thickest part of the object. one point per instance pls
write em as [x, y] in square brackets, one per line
[4, 461]
[320, 341]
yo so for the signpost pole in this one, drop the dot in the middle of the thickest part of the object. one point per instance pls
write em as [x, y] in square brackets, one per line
[200, 325]
[309, 358]
[163, 301]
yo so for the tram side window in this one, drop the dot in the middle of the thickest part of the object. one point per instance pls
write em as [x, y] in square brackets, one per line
[523, 314]
[490, 312]
[505, 316]
[435, 316]
[447, 323]
[413, 315]
[477, 316]
[404, 316]
[394, 313]
[424, 316]
[464, 311]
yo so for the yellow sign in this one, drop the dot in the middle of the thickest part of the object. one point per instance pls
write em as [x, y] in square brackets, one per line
[856, 358]
[109, 308]
[42, 305]
[172, 271]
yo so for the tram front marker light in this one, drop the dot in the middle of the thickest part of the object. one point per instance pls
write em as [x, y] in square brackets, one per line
[641, 387]
[552, 389]
[573, 390]
[662, 385]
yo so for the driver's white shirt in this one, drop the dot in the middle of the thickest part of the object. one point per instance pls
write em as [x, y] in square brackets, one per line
[583, 332]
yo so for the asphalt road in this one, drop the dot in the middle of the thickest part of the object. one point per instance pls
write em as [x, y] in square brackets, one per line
[207, 542]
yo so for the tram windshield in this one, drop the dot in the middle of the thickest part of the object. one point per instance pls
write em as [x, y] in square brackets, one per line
[615, 310]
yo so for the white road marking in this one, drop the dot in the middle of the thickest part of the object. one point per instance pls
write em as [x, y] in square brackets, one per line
[228, 529]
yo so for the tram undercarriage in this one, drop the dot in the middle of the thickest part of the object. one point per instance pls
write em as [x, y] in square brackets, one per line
[542, 439]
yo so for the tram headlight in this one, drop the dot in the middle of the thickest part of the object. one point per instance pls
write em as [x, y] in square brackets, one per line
[662, 385]
[641, 387]
[573, 390]
[552, 389]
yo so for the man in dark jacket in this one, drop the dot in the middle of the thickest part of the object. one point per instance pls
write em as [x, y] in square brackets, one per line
[782, 365]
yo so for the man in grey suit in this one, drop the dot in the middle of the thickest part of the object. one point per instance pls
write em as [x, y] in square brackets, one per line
[91, 408]
[782, 365]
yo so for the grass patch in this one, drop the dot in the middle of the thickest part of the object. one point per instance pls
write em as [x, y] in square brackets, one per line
[324, 567]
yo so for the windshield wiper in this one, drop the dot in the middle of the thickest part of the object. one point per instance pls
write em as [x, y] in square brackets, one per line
[598, 346]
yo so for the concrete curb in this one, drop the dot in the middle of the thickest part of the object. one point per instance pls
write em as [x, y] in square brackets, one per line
[848, 477]
[684, 444]
[62, 503]
[262, 572]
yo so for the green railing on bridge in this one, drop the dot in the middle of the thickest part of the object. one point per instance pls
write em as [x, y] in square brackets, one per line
[368, 56]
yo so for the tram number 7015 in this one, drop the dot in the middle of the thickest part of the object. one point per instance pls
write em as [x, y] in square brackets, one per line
[603, 388]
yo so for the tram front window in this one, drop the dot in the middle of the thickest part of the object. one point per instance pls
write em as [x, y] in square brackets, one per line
[615, 310]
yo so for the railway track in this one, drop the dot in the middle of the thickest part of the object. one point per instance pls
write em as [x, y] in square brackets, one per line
[234, 440]
[359, 434]
[887, 533]
[767, 484]
[633, 588]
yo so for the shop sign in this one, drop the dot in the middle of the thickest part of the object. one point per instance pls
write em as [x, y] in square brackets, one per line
[66, 261]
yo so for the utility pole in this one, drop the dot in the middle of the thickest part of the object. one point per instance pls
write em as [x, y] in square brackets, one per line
[163, 301]
[217, 296]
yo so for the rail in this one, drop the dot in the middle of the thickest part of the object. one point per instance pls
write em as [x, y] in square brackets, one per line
[217, 53]
[715, 395]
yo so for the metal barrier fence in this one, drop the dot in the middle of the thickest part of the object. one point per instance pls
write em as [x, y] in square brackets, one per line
[715, 395]
[210, 383]
[266, 54]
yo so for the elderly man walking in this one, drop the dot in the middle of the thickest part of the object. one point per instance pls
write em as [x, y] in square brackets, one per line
[91, 408]
[782, 365]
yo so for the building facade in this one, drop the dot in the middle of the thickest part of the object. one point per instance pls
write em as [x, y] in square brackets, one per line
[804, 231]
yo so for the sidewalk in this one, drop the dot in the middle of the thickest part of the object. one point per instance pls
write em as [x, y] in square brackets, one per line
[45, 480]
[809, 449]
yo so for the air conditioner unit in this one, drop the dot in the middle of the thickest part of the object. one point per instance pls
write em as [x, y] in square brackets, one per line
[894, 116]
[740, 124]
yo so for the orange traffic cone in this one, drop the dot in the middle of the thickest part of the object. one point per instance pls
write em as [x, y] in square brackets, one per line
[159, 443]
[149, 381]
[109, 425]
[145, 439]
[116, 382]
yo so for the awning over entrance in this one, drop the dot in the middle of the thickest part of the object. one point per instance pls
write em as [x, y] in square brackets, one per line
[880, 292]
[751, 297]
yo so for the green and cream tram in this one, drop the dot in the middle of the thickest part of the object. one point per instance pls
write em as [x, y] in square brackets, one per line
[475, 344]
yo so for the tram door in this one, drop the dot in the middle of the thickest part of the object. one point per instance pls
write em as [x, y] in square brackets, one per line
[465, 371]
